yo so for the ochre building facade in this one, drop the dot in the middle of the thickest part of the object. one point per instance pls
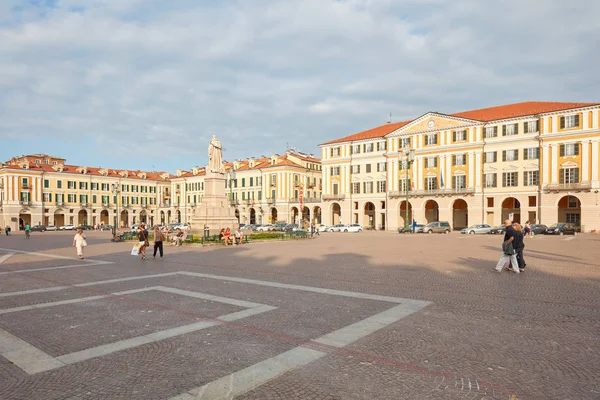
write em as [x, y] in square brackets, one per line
[532, 161]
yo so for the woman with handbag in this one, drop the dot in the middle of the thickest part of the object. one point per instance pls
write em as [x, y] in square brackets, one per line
[159, 237]
[508, 250]
[79, 243]
[143, 238]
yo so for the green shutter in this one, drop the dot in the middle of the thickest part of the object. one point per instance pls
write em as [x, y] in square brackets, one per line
[562, 176]
[562, 122]
[503, 155]
[562, 147]
[577, 175]
[577, 120]
[577, 148]
[503, 130]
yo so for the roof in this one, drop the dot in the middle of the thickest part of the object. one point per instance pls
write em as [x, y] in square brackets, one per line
[518, 110]
[93, 171]
[378, 132]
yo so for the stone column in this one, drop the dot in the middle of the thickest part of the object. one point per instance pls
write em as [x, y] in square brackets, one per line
[545, 165]
[554, 170]
[585, 161]
[470, 174]
[594, 160]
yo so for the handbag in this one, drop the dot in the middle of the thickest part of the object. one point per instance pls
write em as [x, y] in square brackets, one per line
[135, 250]
[84, 243]
[508, 248]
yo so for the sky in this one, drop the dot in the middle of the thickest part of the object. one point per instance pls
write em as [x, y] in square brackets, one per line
[144, 84]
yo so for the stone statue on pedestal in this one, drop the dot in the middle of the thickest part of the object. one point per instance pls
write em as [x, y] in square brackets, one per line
[215, 156]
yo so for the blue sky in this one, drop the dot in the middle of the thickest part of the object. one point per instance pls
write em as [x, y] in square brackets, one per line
[144, 84]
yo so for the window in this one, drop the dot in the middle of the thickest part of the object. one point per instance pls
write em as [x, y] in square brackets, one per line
[335, 151]
[335, 171]
[403, 165]
[54, 162]
[404, 142]
[459, 136]
[510, 155]
[274, 177]
[510, 129]
[532, 153]
[46, 183]
[47, 197]
[251, 181]
[105, 199]
[531, 127]
[490, 202]
[571, 149]
[356, 169]
[570, 121]
[83, 185]
[431, 183]
[368, 147]
[244, 182]
[260, 195]
[71, 185]
[510, 179]
[335, 188]
[368, 168]
[37, 161]
[458, 159]
[381, 146]
[490, 157]
[355, 149]
[491, 132]
[532, 201]
[59, 184]
[381, 187]
[569, 175]
[381, 166]
[356, 188]
[94, 186]
[431, 162]
[459, 182]
[46, 161]
[490, 180]
[71, 198]
[94, 199]
[404, 184]
[573, 219]
[431, 139]
[368, 187]
[573, 202]
[531, 178]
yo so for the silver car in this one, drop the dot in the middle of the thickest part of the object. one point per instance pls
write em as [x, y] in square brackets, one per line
[336, 228]
[476, 229]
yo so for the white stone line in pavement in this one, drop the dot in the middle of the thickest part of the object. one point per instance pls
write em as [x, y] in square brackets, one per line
[33, 253]
[240, 382]
[33, 360]
[32, 291]
[5, 257]
[20, 271]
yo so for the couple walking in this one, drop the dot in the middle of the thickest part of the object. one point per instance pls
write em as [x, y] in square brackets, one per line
[159, 237]
[512, 248]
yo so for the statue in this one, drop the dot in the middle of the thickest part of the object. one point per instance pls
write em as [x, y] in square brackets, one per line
[215, 155]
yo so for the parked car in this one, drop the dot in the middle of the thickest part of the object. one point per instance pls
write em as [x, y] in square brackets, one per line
[250, 227]
[538, 229]
[51, 228]
[437, 227]
[38, 228]
[106, 228]
[476, 229]
[353, 228]
[84, 228]
[417, 229]
[68, 227]
[562, 229]
[336, 228]
[322, 228]
[279, 227]
[265, 228]
[498, 230]
[291, 228]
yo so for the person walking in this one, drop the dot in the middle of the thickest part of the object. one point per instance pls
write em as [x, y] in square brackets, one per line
[27, 231]
[159, 237]
[79, 243]
[7, 230]
[519, 246]
[508, 251]
[143, 238]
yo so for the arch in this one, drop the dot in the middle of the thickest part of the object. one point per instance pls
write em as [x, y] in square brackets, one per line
[294, 212]
[511, 209]
[460, 214]
[178, 214]
[252, 216]
[124, 219]
[432, 211]
[59, 218]
[24, 219]
[402, 213]
[143, 217]
[169, 216]
[237, 215]
[162, 217]
[316, 215]
[369, 215]
[273, 216]
[82, 217]
[569, 210]
[336, 214]
[104, 217]
[305, 221]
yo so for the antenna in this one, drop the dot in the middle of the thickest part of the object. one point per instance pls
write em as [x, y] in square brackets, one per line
[390, 120]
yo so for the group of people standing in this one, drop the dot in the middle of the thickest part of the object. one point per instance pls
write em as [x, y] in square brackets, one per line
[512, 248]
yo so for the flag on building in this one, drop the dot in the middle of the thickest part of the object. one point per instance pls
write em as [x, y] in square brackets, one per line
[441, 178]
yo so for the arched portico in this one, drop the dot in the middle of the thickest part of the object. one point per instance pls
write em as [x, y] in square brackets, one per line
[369, 216]
[432, 211]
[104, 217]
[511, 209]
[336, 214]
[402, 214]
[569, 210]
[460, 214]
[82, 217]
[316, 219]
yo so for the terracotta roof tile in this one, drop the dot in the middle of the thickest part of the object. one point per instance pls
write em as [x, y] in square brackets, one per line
[518, 110]
[378, 132]
[93, 171]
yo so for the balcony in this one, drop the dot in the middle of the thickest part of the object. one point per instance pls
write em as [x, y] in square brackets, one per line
[569, 187]
[60, 204]
[165, 205]
[84, 205]
[270, 201]
[441, 192]
[144, 206]
[26, 186]
[25, 203]
[233, 203]
[311, 200]
[126, 205]
[106, 205]
[330, 197]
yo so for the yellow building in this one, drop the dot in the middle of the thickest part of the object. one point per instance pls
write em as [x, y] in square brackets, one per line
[532, 161]
[280, 188]
[41, 189]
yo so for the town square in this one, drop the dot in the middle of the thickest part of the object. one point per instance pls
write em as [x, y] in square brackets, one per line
[311, 200]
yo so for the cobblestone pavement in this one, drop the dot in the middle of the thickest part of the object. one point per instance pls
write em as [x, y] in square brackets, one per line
[345, 316]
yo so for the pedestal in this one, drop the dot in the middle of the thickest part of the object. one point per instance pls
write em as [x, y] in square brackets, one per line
[215, 211]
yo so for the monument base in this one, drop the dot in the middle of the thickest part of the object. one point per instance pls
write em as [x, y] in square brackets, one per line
[215, 211]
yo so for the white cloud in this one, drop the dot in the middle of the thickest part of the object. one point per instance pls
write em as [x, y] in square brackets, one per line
[263, 73]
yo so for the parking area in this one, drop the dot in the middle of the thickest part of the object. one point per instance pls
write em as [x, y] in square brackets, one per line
[370, 315]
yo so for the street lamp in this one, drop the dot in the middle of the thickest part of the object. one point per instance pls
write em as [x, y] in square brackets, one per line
[116, 190]
[230, 175]
[408, 157]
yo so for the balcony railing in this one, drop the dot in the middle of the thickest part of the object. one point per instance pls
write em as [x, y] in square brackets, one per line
[25, 202]
[165, 205]
[329, 197]
[60, 203]
[233, 203]
[26, 186]
[107, 205]
[270, 201]
[144, 206]
[569, 187]
[441, 192]
[311, 200]
[84, 205]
